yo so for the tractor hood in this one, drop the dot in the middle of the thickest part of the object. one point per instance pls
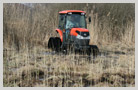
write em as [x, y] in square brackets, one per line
[75, 30]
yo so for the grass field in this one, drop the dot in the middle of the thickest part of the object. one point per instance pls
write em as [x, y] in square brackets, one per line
[27, 62]
[114, 68]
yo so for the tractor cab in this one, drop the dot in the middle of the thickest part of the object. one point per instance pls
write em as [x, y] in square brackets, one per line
[72, 20]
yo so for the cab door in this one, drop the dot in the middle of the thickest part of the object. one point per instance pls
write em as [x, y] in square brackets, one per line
[61, 26]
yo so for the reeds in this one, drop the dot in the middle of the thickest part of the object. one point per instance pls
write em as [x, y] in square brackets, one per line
[111, 23]
[36, 68]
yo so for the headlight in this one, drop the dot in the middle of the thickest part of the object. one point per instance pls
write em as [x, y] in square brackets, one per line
[81, 37]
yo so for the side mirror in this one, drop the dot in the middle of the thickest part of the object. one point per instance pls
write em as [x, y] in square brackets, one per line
[89, 19]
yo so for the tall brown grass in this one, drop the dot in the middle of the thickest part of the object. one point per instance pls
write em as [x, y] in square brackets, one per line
[34, 68]
[27, 28]
[35, 24]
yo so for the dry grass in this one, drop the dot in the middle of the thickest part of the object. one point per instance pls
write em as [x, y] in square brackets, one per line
[25, 55]
[36, 68]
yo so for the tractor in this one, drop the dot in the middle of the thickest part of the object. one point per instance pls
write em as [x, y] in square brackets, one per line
[73, 33]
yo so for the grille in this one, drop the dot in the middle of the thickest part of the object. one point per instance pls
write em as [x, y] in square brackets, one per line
[82, 42]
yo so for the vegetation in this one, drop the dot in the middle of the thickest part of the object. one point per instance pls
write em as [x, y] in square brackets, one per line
[27, 28]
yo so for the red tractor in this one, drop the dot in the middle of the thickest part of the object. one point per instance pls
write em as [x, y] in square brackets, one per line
[73, 33]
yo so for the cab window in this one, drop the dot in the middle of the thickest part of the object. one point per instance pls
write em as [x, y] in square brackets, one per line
[61, 21]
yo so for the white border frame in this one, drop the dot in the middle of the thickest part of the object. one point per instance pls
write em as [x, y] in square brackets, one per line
[63, 1]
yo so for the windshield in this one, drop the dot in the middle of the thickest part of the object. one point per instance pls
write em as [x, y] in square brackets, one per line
[75, 21]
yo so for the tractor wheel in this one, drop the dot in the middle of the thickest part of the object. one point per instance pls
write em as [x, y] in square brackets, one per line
[94, 50]
[51, 43]
[57, 44]
[88, 51]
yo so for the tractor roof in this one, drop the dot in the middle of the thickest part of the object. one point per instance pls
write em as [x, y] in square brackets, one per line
[67, 11]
